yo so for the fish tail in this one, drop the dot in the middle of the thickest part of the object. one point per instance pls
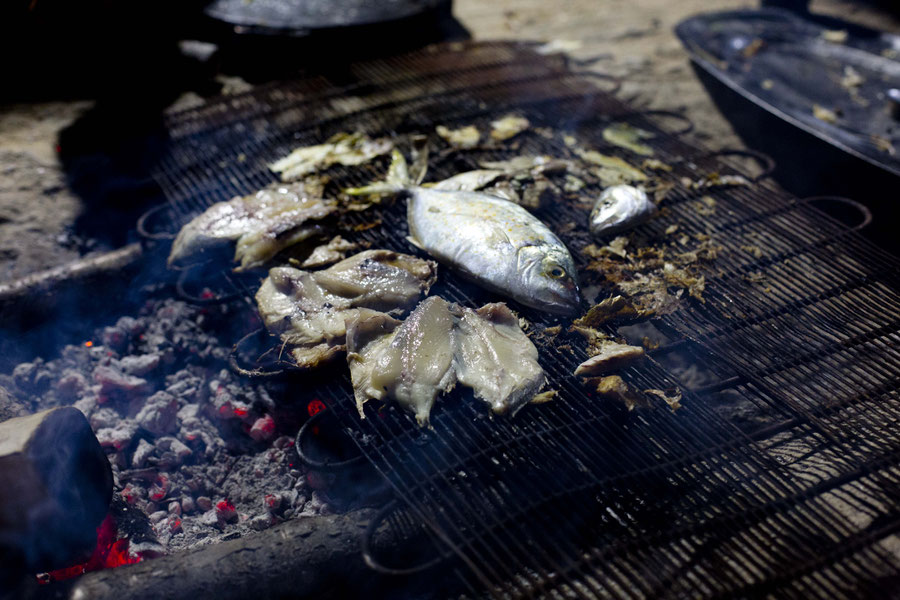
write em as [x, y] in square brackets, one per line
[396, 180]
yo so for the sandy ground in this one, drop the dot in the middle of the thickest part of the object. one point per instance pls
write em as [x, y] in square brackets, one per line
[632, 39]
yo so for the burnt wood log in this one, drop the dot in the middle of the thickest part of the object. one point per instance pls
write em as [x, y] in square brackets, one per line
[302, 558]
[55, 488]
[42, 311]
[50, 286]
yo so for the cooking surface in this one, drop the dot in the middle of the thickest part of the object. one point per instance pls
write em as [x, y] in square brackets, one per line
[746, 487]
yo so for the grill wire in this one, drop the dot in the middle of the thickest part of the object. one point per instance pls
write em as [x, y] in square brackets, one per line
[578, 498]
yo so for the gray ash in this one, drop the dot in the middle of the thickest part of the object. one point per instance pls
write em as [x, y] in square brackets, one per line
[204, 454]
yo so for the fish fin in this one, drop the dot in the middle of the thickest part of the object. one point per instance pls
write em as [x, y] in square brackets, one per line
[420, 159]
[415, 242]
[396, 180]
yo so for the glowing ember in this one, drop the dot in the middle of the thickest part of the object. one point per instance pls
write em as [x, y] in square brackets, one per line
[315, 406]
[109, 553]
[88, 344]
[159, 489]
[225, 510]
[263, 428]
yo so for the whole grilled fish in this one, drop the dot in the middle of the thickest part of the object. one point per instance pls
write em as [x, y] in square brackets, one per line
[618, 208]
[496, 243]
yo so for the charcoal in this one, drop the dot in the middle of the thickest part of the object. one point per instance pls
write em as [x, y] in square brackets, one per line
[139, 365]
[179, 428]
[158, 414]
[118, 437]
[114, 381]
[104, 418]
[10, 407]
[55, 488]
[70, 386]
[141, 453]
[23, 374]
[263, 429]
[188, 505]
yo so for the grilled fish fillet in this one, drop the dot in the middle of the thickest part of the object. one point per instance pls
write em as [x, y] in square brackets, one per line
[308, 310]
[262, 224]
[438, 345]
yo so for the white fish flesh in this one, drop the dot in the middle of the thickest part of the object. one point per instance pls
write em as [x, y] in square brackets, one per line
[413, 366]
[262, 224]
[308, 310]
[439, 344]
[495, 358]
[618, 208]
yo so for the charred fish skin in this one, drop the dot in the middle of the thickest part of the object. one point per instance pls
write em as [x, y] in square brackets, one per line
[618, 208]
[497, 244]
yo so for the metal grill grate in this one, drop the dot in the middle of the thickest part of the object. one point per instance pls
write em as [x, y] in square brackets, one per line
[577, 498]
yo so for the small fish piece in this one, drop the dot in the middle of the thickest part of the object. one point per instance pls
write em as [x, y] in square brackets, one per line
[326, 254]
[536, 164]
[825, 114]
[618, 208]
[671, 396]
[263, 224]
[342, 148]
[308, 310]
[613, 387]
[495, 358]
[491, 241]
[628, 137]
[412, 364]
[835, 36]
[438, 345]
[612, 356]
[613, 170]
[369, 336]
[464, 137]
[508, 126]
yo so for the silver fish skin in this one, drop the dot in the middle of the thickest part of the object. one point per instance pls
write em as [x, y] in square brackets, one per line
[497, 244]
[618, 208]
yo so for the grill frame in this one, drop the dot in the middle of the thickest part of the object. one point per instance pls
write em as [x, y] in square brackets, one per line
[765, 524]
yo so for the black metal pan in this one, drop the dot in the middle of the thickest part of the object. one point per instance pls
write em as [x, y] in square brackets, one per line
[813, 93]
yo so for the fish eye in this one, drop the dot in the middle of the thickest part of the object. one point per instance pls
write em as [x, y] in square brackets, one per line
[556, 272]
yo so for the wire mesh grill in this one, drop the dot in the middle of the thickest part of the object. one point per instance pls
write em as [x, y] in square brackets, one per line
[578, 497]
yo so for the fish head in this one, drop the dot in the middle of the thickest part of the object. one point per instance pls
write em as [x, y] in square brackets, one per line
[548, 280]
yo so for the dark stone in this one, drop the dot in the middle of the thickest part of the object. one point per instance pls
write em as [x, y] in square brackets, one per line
[55, 489]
